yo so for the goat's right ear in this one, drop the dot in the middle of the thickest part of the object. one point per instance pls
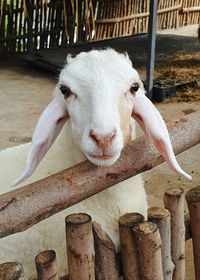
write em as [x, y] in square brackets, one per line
[150, 120]
[47, 129]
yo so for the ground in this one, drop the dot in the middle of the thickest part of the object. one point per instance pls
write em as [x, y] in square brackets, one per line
[25, 91]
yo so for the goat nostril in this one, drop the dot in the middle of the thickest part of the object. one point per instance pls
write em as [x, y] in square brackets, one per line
[94, 137]
[111, 136]
[102, 141]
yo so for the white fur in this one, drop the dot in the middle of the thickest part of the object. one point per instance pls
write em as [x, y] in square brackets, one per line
[101, 82]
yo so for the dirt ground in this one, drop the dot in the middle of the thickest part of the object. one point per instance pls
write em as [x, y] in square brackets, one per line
[25, 91]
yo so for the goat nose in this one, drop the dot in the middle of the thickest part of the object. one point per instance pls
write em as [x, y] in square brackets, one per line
[102, 141]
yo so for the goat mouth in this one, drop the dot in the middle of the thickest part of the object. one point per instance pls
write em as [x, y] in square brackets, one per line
[102, 157]
[103, 160]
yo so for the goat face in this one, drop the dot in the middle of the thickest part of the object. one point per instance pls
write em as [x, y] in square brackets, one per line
[96, 91]
[100, 92]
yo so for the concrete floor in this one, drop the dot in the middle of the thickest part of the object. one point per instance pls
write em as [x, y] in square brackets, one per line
[25, 91]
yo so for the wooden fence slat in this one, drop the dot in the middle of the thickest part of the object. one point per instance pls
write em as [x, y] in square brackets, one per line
[80, 247]
[162, 218]
[174, 202]
[129, 252]
[193, 201]
[46, 265]
[149, 248]
[106, 266]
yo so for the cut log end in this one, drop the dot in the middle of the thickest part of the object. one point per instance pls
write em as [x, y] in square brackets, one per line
[45, 257]
[78, 219]
[193, 195]
[175, 192]
[46, 265]
[130, 219]
[145, 228]
[11, 271]
[102, 236]
[157, 213]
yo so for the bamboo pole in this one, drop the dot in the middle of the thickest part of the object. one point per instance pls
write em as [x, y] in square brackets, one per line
[81, 181]
[128, 245]
[46, 265]
[80, 247]
[174, 202]
[162, 218]
[106, 267]
[149, 247]
[11, 271]
[193, 201]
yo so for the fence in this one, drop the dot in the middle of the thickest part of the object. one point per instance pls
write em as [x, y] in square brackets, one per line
[154, 249]
[27, 25]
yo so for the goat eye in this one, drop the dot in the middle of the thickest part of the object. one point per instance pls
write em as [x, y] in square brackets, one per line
[65, 91]
[134, 88]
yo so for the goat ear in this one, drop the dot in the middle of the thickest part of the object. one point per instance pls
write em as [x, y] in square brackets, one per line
[150, 120]
[47, 129]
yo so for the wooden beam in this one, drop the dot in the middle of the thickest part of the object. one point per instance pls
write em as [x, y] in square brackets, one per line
[26, 206]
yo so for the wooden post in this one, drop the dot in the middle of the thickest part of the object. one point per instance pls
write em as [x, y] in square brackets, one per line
[162, 218]
[11, 271]
[149, 248]
[174, 202]
[80, 247]
[128, 245]
[193, 201]
[106, 267]
[46, 265]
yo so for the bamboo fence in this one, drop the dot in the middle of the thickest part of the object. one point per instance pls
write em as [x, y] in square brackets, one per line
[27, 25]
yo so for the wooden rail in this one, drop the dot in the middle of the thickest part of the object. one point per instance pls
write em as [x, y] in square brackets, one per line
[26, 206]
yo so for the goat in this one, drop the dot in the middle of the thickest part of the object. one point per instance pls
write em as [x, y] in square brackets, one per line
[101, 95]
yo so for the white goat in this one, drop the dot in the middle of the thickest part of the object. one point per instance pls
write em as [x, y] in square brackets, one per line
[100, 93]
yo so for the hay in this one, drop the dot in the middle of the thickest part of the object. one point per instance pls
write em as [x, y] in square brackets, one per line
[184, 68]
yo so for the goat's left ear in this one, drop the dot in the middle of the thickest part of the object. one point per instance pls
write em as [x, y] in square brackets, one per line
[150, 120]
[47, 129]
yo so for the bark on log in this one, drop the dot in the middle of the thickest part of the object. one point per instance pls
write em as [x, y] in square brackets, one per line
[174, 202]
[129, 253]
[149, 248]
[80, 247]
[46, 265]
[193, 201]
[46, 197]
[162, 218]
[11, 271]
[106, 267]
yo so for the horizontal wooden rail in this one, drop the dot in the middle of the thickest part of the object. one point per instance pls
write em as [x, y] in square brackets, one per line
[26, 206]
[135, 16]
[190, 9]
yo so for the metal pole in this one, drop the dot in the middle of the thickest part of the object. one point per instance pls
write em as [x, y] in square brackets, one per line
[151, 47]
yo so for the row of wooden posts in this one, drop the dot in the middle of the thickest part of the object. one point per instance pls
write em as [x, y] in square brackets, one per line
[149, 250]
